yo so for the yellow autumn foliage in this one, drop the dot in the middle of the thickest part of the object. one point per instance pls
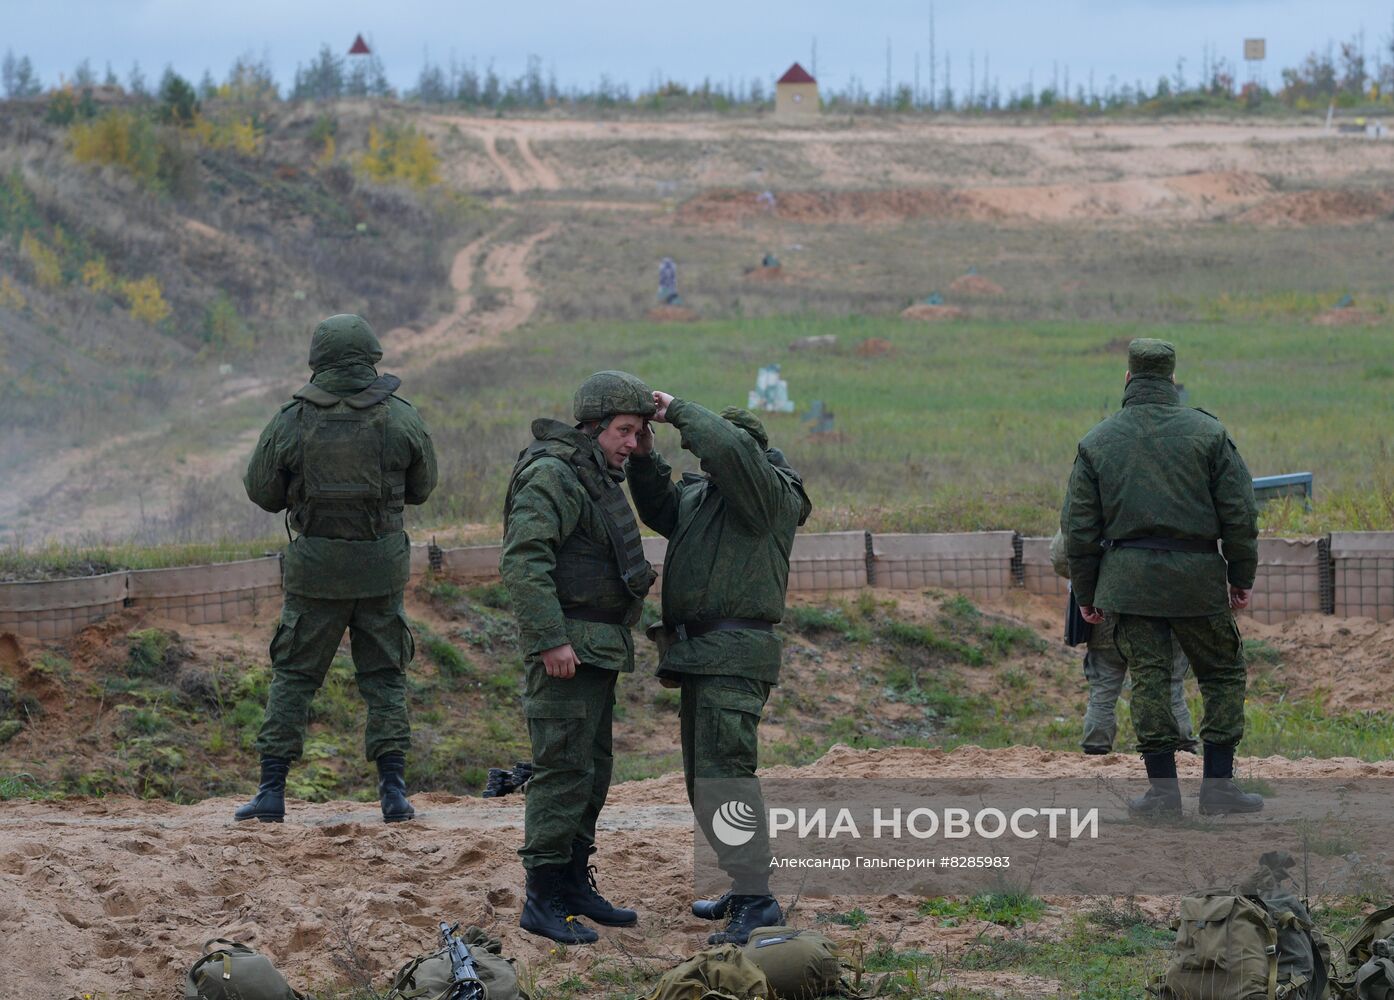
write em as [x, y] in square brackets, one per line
[48, 271]
[146, 299]
[241, 135]
[400, 154]
[10, 296]
[97, 276]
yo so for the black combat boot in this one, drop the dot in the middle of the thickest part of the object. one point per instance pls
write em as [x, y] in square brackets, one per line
[712, 909]
[747, 915]
[269, 803]
[392, 788]
[584, 899]
[546, 913]
[1218, 792]
[1162, 800]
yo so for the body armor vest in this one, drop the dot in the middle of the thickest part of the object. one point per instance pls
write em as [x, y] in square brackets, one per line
[346, 490]
[591, 573]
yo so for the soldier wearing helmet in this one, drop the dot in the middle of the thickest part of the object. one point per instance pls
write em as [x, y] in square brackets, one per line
[574, 567]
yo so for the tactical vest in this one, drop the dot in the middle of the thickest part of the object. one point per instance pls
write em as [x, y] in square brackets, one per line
[346, 490]
[592, 573]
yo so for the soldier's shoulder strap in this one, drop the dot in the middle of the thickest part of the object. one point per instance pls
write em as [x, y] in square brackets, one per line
[1200, 409]
[373, 394]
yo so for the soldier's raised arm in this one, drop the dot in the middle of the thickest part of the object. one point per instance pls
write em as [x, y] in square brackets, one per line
[656, 496]
[736, 461]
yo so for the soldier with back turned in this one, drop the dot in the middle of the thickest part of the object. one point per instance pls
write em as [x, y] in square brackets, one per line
[1161, 529]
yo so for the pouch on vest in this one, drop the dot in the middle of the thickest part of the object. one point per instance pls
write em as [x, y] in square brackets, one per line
[722, 973]
[798, 964]
[232, 971]
[429, 977]
[346, 490]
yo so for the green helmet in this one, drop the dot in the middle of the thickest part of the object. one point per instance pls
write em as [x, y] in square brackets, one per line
[608, 393]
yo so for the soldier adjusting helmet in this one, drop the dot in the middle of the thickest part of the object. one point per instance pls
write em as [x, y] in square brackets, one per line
[609, 393]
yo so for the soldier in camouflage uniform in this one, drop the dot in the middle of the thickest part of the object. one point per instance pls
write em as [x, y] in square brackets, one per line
[1106, 673]
[574, 565]
[1154, 488]
[729, 535]
[343, 457]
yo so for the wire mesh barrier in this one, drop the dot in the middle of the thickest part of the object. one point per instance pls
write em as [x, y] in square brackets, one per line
[1350, 574]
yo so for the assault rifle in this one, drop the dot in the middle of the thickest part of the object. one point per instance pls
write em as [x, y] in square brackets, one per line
[464, 974]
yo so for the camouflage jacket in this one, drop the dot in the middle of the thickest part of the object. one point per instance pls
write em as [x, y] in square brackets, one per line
[336, 567]
[1157, 469]
[729, 535]
[547, 504]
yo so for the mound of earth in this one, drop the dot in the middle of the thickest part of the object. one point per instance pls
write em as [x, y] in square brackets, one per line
[114, 896]
[672, 314]
[775, 273]
[875, 347]
[932, 314]
[1194, 196]
[976, 284]
[1349, 316]
[1321, 208]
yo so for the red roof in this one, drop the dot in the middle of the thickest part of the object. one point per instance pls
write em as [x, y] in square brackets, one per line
[359, 47]
[796, 74]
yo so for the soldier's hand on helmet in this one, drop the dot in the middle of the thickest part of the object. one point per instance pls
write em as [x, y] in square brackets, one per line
[1091, 614]
[1238, 598]
[661, 400]
[560, 662]
[643, 441]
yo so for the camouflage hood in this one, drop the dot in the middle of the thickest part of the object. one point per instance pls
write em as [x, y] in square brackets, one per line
[344, 341]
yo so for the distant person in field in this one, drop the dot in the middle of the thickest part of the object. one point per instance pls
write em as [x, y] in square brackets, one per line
[1161, 530]
[1107, 673]
[668, 282]
[574, 566]
[342, 458]
[729, 531]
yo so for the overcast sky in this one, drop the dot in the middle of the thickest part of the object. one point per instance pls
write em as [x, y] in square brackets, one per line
[638, 41]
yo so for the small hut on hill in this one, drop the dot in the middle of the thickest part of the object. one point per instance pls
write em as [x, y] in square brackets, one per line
[796, 94]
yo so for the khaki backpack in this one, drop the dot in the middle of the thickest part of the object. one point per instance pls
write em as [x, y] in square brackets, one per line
[721, 973]
[232, 971]
[1236, 946]
[429, 977]
[798, 964]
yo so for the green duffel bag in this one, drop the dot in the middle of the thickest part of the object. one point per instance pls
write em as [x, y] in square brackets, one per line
[429, 977]
[721, 973]
[798, 964]
[232, 971]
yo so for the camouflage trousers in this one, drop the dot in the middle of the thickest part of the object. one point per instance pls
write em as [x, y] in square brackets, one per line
[1216, 652]
[1108, 675]
[304, 646]
[719, 718]
[569, 724]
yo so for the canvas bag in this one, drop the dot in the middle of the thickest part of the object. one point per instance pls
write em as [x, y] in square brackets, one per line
[232, 971]
[798, 964]
[1375, 979]
[428, 977]
[721, 973]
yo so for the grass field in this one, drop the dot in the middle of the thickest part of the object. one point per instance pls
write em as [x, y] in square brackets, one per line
[962, 426]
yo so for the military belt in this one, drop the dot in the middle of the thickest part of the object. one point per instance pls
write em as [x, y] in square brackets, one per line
[604, 616]
[1161, 544]
[697, 629]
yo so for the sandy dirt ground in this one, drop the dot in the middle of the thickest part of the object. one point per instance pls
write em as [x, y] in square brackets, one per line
[114, 896]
